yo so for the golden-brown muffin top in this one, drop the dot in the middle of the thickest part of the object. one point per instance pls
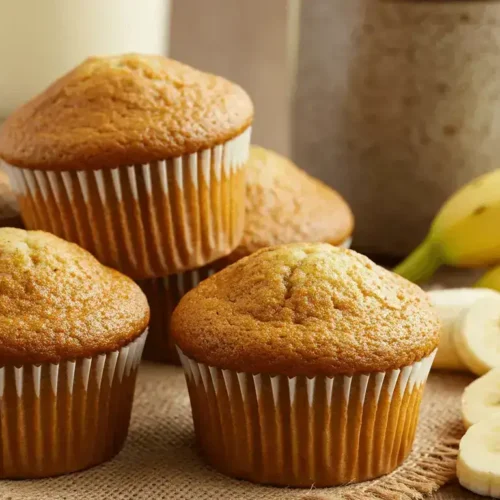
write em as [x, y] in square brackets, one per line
[9, 211]
[306, 309]
[286, 205]
[124, 110]
[57, 302]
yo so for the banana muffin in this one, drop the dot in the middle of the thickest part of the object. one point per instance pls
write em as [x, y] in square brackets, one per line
[287, 205]
[9, 211]
[284, 205]
[71, 338]
[138, 158]
[305, 365]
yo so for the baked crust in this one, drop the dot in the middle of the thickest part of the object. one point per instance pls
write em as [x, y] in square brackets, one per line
[286, 205]
[306, 309]
[124, 110]
[57, 302]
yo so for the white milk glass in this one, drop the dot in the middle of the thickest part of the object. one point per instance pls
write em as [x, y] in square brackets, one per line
[42, 39]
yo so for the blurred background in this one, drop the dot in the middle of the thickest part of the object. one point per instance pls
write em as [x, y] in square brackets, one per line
[391, 103]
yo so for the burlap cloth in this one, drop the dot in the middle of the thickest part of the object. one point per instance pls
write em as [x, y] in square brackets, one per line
[161, 461]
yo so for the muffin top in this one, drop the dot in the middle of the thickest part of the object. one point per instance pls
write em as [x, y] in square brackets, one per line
[57, 302]
[9, 212]
[124, 110]
[286, 205]
[306, 309]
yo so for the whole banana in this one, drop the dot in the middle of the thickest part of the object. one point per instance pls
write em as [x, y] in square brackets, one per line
[465, 232]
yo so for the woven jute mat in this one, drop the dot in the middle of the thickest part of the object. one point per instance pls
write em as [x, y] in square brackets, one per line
[161, 460]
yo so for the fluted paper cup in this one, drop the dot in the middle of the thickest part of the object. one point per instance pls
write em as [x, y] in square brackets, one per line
[163, 295]
[147, 220]
[301, 431]
[60, 418]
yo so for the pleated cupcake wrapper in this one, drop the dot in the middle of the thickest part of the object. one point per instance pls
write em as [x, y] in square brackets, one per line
[300, 431]
[59, 418]
[163, 296]
[146, 220]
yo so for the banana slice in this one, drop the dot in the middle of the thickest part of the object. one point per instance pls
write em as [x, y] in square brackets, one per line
[477, 338]
[450, 305]
[478, 463]
[481, 399]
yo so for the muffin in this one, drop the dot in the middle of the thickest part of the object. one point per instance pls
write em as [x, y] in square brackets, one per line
[139, 159]
[71, 338]
[284, 205]
[305, 365]
[9, 212]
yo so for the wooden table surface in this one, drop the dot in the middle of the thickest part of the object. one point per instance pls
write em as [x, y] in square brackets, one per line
[455, 492]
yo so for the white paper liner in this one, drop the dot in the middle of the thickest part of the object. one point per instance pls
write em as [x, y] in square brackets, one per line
[145, 220]
[300, 431]
[59, 418]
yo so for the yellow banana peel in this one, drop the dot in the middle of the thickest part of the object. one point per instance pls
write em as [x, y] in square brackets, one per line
[465, 232]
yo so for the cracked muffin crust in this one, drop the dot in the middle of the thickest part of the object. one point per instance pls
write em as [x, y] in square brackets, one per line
[124, 110]
[286, 205]
[58, 302]
[306, 309]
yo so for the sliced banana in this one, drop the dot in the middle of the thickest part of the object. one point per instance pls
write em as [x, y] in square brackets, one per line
[478, 463]
[477, 338]
[481, 399]
[450, 305]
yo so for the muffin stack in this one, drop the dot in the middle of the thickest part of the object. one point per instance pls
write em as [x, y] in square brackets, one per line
[305, 362]
[141, 160]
